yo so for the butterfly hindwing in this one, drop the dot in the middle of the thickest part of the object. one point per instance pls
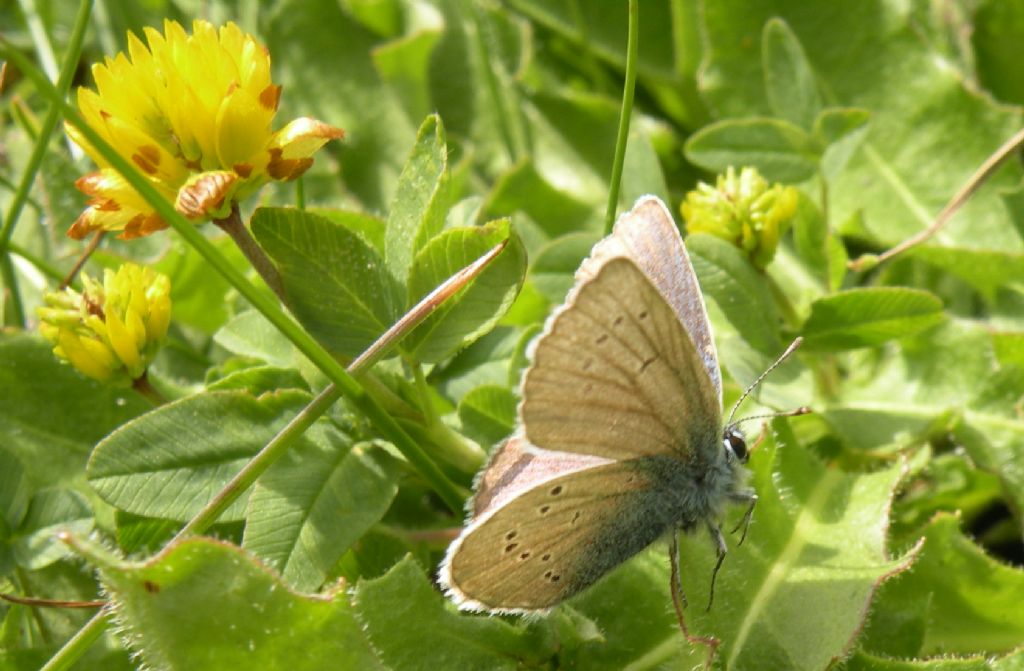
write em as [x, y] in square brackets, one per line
[515, 467]
[616, 375]
[556, 539]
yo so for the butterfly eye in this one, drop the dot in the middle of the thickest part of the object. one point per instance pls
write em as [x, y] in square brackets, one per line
[735, 445]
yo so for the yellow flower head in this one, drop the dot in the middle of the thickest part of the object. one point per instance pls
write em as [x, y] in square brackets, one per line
[110, 331]
[193, 113]
[744, 210]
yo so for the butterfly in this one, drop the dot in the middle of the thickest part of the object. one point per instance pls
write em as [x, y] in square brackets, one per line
[621, 439]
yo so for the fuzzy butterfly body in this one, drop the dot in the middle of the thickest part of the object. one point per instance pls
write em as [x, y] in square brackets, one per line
[620, 438]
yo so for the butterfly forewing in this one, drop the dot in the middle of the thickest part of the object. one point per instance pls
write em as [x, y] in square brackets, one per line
[617, 376]
[648, 236]
[556, 539]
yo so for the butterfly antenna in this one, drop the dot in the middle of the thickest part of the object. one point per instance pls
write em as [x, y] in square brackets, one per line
[802, 410]
[753, 385]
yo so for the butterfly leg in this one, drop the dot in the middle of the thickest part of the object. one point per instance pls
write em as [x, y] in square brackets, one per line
[744, 497]
[676, 582]
[719, 539]
[679, 601]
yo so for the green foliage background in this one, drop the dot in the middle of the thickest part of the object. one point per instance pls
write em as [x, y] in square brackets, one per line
[888, 535]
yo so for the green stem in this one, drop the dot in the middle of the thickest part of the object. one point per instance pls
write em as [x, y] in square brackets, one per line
[41, 264]
[429, 414]
[233, 226]
[455, 448]
[78, 644]
[278, 445]
[14, 310]
[298, 425]
[57, 93]
[622, 138]
[452, 446]
[268, 306]
[300, 193]
[147, 390]
[245, 478]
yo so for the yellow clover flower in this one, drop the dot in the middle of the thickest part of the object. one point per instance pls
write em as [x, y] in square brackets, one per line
[744, 210]
[110, 331]
[193, 113]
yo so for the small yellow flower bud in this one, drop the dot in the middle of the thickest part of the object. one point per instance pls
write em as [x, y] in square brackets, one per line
[193, 113]
[111, 331]
[744, 210]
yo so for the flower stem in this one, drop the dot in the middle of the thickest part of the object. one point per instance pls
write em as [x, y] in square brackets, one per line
[972, 184]
[622, 138]
[146, 389]
[53, 114]
[69, 279]
[233, 226]
[256, 466]
[78, 644]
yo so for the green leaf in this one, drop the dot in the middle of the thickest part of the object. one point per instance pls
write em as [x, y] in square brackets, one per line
[259, 380]
[995, 442]
[793, 596]
[336, 284]
[412, 627]
[1009, 347]
[988, 270]
[906, 169]
[869, 316]
[810, 237]
[368, 226]
[553, 270]
[333, 77]
[668, 47]
[250, 334]
[631, 609]
[781, 151]
[484, 362]
[203, 604]
[788, 76]
[310, 507]
[863, 661]
[14, 493]
[523, 189]
[197, 295]
[841, 130]
[421, 200]
[530, 307]
[574, 137]
[35, 545]
[144, 535]
[739, 291]
[52, 415]
[948, 483]
[995, 39]
[170, 462]
[641, 171]
[796, 593]
[488, 413]
[956, 600]
[404, 65]
[473, 310]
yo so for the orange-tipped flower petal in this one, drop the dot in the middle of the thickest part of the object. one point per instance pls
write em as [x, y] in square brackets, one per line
[193, 113]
